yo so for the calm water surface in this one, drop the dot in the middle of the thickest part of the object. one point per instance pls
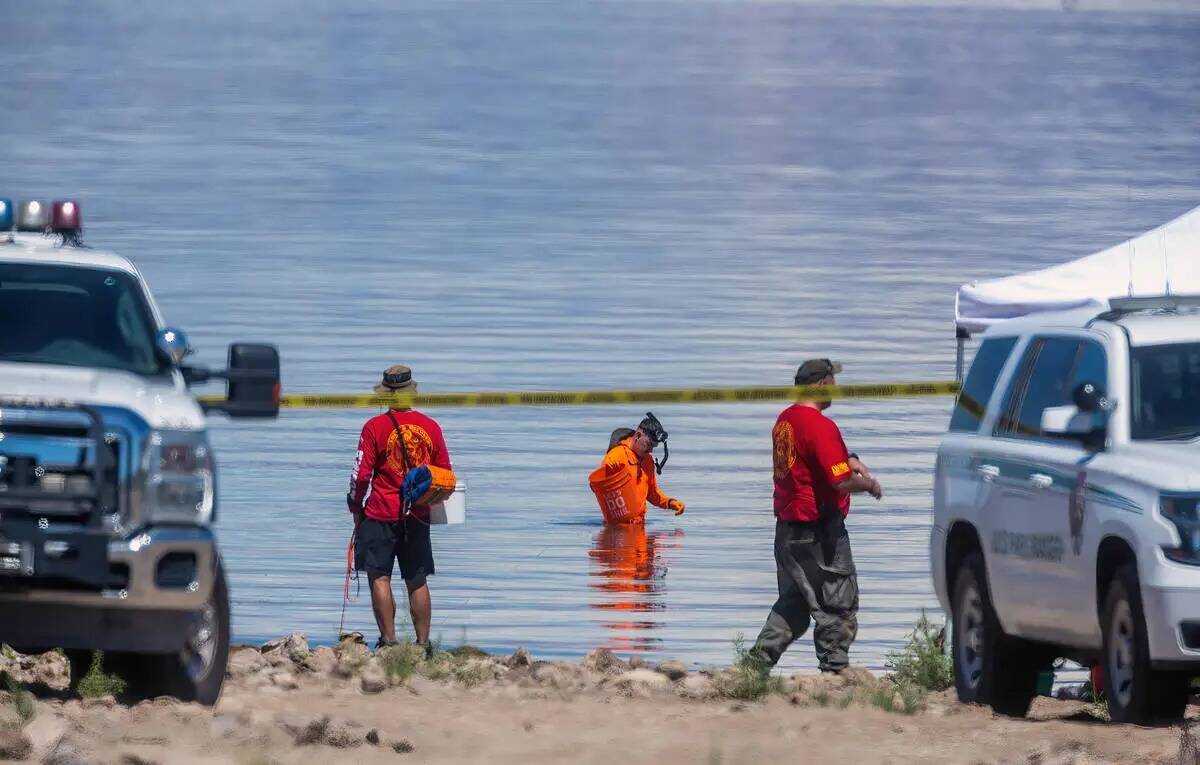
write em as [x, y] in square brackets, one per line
[521, 196]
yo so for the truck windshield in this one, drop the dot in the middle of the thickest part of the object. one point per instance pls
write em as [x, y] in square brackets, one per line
[85, 317]
[1166, 387]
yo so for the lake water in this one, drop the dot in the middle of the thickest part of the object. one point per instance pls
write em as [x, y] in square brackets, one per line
[598, 195]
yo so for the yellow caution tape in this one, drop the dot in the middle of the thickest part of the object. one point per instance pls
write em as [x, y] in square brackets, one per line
[590, 397]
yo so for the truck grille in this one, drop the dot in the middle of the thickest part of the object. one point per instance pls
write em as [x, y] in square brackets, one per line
[60, 465]
[66, 474]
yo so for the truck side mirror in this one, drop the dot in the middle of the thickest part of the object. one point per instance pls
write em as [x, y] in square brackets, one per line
[1085, 421]
[1089, 397]
[253, 376]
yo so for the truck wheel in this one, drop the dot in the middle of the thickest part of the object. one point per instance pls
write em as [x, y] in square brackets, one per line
[1135, 692]
[198, 671]
[989, 666]
[80, 662]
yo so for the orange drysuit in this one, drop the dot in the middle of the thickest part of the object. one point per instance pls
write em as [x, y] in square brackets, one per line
[623, 483]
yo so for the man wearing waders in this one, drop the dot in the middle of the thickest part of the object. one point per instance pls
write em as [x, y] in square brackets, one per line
[392, 444]
[626, 478]
[814, 478]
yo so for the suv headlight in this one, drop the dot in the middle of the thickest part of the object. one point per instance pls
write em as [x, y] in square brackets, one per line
[1182, 511]
[179, 478]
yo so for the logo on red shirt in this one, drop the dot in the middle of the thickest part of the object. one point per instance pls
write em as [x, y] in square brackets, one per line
[418, 448]
[785, 448]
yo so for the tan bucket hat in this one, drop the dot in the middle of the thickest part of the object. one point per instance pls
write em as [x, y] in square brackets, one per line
[396, 379]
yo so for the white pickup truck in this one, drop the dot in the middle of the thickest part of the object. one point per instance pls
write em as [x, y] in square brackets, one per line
[1065, 507]
[107, 480]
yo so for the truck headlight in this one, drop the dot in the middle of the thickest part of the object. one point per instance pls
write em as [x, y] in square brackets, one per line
[179, 478]
[1182, 511]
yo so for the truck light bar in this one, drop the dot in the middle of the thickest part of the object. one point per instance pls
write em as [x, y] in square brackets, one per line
[65, 217]
[32, 215]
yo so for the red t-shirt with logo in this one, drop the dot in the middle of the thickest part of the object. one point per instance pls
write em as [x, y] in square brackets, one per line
[379, 466]
[810, 456]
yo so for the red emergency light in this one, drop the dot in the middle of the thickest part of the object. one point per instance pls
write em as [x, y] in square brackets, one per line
[65, 217]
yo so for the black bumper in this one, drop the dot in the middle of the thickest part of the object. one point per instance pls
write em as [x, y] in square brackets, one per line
[30, 627]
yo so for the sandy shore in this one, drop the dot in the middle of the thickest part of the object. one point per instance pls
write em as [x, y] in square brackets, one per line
[285, 703]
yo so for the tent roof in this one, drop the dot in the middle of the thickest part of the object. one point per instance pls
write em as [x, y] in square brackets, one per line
[1138, 266]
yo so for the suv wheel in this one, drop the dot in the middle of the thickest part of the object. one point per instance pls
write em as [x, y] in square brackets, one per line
[1134, 691]
[989, 666]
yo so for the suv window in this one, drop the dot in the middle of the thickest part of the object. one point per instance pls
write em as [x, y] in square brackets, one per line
[1050, 370]
[1166, 385]
[981, 380]
[77, 316]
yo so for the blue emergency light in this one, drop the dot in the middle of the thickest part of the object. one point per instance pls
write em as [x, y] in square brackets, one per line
[6, 214]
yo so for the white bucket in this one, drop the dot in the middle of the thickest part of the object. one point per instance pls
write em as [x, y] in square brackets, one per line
[453, 510]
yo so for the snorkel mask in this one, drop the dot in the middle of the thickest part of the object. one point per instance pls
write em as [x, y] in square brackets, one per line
[653, 428]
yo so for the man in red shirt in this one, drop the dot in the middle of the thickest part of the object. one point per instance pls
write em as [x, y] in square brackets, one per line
[391, 444]
[814, 478]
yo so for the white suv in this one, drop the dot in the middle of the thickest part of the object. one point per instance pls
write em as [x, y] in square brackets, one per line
[1065, 507]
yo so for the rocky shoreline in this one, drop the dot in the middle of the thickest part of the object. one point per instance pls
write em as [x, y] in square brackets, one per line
[286, 701]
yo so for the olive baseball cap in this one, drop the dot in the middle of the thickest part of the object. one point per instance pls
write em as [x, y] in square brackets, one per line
[814, 371]
[396, 379]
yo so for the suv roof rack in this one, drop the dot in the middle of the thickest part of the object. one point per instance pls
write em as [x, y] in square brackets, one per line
[1123, 306]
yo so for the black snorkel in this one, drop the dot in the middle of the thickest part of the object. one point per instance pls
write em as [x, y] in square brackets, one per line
[653, 428]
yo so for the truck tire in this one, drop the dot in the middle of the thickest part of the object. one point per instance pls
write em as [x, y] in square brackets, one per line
[1134, 691]
[198, 672]
[990, 667]
[80, 661]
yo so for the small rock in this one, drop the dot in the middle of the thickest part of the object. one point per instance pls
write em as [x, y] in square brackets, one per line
[350, 641]
[314, 732]
[65, 753]
[106, 701]
[44, 734]
[698, 687]
[403, 746]
[559, 674]
[50, 668]
[604, 661]
[245, 662]
[323, 660]
[858, 677]
[293, 648]
[642, 682]
[520, 658]
[674, 670]
[373, 679]
[373, 737]
[348, 666]
[13, 744]
[342, 737]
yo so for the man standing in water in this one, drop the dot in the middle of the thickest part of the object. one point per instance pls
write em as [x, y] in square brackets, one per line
[391, 444]
[814, 478]
[626, 478]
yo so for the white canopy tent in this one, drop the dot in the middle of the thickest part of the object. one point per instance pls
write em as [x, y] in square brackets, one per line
[1163, 260]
